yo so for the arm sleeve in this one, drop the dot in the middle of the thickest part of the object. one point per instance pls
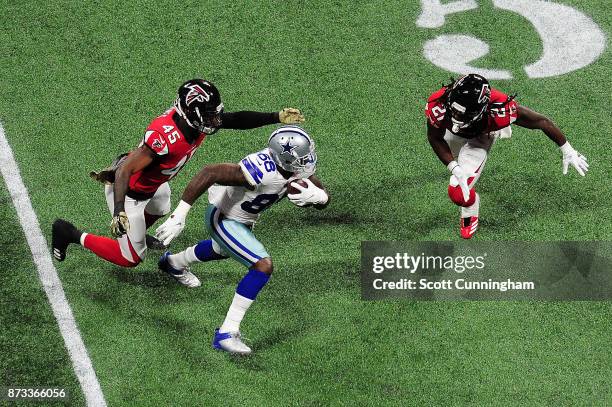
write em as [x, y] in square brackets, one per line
[247, 120]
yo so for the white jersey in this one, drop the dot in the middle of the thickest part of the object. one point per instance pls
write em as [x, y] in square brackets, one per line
[244, 205]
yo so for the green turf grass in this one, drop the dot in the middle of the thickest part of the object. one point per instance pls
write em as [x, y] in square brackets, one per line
[80, 82]
[32, 349]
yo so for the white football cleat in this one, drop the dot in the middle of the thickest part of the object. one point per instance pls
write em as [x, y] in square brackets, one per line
[184, 276]
[188, 279]
[230, 342]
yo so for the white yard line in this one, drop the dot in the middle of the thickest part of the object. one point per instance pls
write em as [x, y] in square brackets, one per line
[48, 276]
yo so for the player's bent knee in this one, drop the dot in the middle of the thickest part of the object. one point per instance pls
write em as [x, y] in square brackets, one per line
[456, 195]
[134, 262]
[131, 264]
[264, 265]
[123, 262]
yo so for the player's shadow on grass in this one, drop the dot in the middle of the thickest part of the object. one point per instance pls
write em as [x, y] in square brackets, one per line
[162, 302]
[410, 208]
[331, 218]
[391, 207]
[144, 277]
[268, 342]
[539, 195]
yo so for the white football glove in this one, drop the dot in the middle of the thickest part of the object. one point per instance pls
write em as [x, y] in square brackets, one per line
[311, 194]
[571, 156]
[174, 225]
[462, 177]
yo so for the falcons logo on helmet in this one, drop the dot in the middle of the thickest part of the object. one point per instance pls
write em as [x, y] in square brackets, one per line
[196, 93]
[485, 94]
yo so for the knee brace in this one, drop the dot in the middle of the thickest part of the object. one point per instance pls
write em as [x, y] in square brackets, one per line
[455, 195]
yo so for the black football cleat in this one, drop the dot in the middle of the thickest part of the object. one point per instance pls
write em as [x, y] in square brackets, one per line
[63, 233]
[154, 243]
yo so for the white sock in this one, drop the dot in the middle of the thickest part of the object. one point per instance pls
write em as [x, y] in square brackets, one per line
[183, 259]
[471, 210]
[83, 239]
[236, 312]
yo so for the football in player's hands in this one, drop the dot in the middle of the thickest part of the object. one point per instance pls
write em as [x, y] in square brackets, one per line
[291, 189]
[309, 193]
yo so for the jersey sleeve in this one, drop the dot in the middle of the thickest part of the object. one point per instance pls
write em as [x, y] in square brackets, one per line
[513, 110]
[258, 168]
[156, 142]
[251, 169]
[503, 110]
[434, 109]
[504, 115]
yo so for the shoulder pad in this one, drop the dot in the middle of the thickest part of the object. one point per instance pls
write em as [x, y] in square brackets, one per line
[258, 167]
[435, 109]
[156, 142]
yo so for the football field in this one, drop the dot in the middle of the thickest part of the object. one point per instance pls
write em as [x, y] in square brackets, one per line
[80, 82]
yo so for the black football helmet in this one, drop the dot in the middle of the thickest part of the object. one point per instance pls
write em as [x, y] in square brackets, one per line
[467, 101]
[199, 103]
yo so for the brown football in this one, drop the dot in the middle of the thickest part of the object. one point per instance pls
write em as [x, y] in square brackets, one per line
[293, 190]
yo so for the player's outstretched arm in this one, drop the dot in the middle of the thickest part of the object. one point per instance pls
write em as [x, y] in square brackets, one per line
[222, 174]
[533, 120]
[136, 161]
[249, 120]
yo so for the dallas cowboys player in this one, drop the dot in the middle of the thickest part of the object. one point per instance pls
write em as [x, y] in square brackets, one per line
[238, 193]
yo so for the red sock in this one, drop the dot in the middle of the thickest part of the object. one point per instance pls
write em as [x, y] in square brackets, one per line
[151, 219]
[456, 195]
[108, 249]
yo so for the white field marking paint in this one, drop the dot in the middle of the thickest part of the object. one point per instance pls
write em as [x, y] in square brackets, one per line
[434, 12]
[571, 40]
[455, 52]
[48, 276]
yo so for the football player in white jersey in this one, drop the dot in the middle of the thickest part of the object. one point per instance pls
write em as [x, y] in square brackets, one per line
[237, 194]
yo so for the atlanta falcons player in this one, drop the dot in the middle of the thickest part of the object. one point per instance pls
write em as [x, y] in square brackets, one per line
[137, 190]
[238, 193]
[464, 120]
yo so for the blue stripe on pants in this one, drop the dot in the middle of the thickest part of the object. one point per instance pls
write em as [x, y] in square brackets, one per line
[234, 237]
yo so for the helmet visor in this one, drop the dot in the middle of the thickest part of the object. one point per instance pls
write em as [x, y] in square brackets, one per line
[211, 119]
[301, 165]
[306, 164]
[464, 117]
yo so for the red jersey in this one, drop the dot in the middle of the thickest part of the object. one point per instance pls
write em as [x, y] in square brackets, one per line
[502, 113]
[164, 137]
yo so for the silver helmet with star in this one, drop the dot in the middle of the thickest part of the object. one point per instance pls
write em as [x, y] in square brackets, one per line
[293, 150]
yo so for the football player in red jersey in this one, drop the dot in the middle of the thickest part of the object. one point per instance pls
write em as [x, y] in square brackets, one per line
[137, 190]
[464, 120]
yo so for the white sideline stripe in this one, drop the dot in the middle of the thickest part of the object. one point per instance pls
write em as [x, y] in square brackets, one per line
[48, 276]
